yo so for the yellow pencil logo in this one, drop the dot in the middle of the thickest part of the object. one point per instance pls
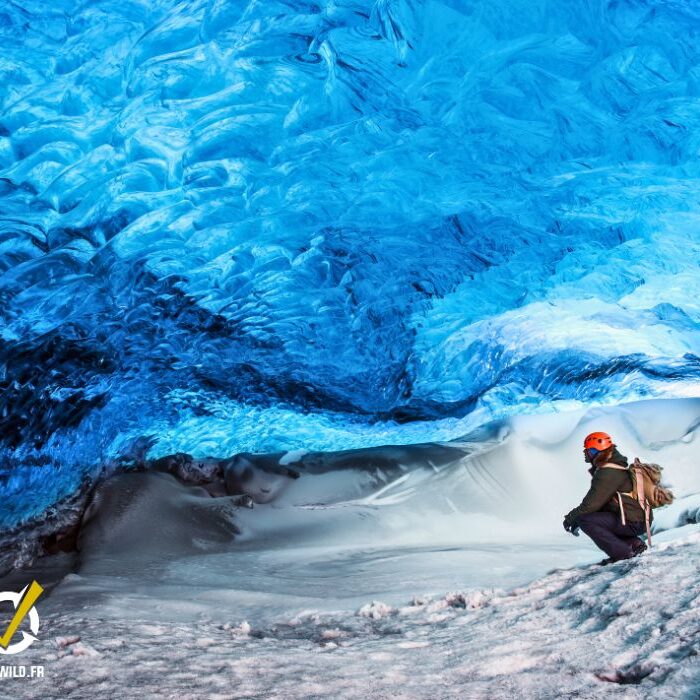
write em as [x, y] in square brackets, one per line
[24, 607]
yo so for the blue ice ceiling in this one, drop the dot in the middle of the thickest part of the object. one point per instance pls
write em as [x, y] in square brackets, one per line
[269, 225]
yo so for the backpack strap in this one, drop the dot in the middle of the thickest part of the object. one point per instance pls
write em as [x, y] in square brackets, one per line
[639, 479]
[622, 509]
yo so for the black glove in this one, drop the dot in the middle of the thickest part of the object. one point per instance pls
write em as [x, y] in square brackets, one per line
[570, 525]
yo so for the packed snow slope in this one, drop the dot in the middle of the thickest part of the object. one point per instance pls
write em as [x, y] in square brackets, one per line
[277, 225]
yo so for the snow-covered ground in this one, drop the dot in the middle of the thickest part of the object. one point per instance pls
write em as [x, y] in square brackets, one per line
[631, 630]
[337, 584]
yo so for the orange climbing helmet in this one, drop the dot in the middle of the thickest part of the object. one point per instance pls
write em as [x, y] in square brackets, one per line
[597, 441]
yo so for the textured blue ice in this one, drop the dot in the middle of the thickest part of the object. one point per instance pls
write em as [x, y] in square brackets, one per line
[275, 225]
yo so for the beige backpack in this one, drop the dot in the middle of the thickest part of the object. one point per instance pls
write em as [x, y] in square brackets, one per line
[646, 489]
[655, 494]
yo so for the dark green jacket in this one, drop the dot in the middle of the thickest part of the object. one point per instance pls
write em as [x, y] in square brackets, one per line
[605, 484]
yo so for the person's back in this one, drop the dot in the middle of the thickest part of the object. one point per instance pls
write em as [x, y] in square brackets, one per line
[609, 514]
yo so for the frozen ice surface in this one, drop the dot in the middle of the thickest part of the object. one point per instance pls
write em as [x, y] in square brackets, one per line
[629, 629]
[283, 225]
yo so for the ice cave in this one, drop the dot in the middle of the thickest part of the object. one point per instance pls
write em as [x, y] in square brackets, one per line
[306, 308]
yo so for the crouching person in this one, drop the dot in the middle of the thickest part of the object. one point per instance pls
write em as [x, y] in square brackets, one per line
[609, 514]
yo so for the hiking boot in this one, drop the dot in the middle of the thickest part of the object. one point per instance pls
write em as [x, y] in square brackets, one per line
[638, 548]
[606, 561]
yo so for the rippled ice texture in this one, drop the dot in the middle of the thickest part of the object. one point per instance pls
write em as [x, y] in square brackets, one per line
[293, 225]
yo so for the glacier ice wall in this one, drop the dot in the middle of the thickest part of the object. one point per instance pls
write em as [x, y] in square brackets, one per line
[280, 225]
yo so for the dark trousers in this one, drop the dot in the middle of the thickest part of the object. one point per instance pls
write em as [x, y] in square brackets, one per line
[610, 535]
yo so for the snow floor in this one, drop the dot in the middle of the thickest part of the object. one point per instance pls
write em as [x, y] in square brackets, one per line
[630, 630]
